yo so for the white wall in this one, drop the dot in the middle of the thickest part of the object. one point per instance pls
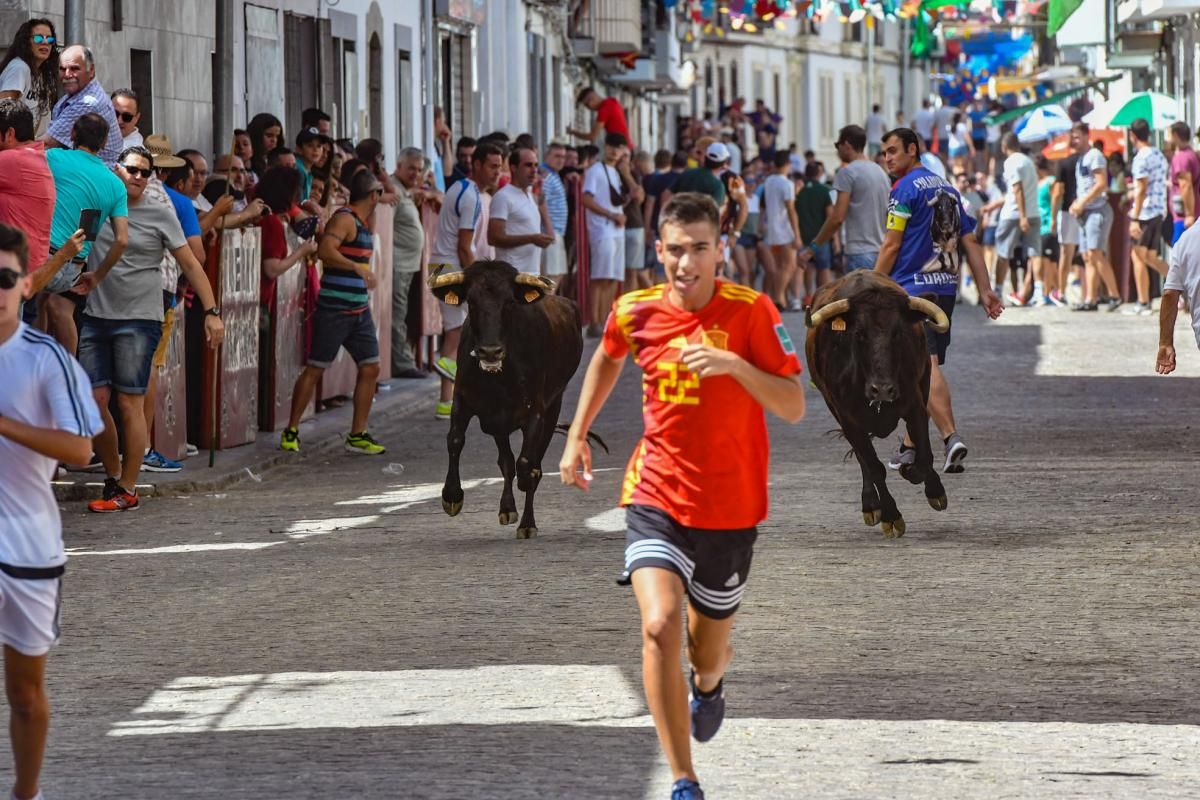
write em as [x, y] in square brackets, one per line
[393, 12]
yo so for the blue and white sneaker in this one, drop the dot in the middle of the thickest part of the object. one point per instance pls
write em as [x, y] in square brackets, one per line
[686, 789]
[155, 461]
[708, 710]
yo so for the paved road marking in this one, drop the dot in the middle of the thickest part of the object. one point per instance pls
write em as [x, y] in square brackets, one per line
[304, 528]
[611, 521]
[174, 548]
[499, 695]
[826, 758]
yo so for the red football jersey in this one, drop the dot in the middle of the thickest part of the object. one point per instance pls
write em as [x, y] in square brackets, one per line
[704, 455]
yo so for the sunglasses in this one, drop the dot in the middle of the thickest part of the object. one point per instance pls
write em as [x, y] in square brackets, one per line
[134, 171]
[39, 39]
[125, 116]
[9, 278]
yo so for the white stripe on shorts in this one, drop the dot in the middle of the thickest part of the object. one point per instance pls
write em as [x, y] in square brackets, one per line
[660, 549]
[718, 600]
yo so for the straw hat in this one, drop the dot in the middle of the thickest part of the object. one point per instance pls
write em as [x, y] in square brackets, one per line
[159, 145]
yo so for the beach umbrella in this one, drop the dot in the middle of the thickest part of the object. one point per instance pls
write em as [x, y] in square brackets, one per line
[1160, 110]
[1043, 123]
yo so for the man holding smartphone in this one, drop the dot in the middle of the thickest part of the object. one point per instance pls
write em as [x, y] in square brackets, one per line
[82, 184]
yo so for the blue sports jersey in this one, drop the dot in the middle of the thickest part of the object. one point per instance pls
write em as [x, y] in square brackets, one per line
[931, 214]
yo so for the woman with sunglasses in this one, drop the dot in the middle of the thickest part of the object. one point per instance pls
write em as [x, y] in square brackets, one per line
[30, 70]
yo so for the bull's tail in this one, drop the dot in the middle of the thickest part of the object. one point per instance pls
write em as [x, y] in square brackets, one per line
[562, 428]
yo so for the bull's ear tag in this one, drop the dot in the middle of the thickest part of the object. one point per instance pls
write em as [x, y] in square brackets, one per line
[838, 324]
[451, 298]
[531, 295]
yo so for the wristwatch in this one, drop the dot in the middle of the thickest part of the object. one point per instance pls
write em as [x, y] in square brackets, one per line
[215, 311]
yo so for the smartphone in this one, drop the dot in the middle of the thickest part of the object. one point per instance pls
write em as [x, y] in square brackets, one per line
[89, 222]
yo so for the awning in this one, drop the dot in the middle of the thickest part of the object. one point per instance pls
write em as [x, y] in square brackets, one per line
[1146, 10]
[1057, 97]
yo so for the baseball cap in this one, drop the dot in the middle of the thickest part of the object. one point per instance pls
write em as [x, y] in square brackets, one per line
[311, 134]
[717, 152]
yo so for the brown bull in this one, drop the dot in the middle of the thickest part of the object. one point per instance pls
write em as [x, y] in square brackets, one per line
[867, 353]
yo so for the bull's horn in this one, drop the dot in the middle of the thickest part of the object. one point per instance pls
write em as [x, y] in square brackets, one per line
[834, 309]
[450, 279]
[937, 318]
[538, 281]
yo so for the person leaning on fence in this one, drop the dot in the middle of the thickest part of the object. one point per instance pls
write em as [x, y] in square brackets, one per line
[343, 317]
[123, 319]
[408, 243]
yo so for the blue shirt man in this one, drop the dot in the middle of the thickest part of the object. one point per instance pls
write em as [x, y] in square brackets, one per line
[930, 213]
[556, 199]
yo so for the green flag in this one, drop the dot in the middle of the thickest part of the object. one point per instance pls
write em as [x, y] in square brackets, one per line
[1058, 12]
[922, 41]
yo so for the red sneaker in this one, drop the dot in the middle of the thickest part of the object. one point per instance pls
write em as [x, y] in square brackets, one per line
[120, 501]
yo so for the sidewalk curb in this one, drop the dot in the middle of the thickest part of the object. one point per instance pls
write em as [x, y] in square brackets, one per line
[395, 404]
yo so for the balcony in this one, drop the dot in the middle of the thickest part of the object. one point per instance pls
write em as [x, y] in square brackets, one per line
[607, 28]
[663, 70]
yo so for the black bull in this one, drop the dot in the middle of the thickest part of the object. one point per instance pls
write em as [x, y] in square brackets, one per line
[520, 347]
[867, 353]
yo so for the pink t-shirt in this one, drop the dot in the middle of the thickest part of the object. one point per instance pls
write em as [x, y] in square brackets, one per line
[27, 197]
[1184, 160]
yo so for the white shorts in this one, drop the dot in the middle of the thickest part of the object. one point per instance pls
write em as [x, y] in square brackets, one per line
[1068, 228]
[608, 259]
[554, 258]
[635, 248]
[29, 611]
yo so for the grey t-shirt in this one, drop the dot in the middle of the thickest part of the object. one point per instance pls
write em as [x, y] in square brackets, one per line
[408, 235]
[133, 289]
[868, 187]
[1085, 177]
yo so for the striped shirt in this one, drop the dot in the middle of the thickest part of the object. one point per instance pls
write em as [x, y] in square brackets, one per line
[44, 387]
[556, 200]
[342, 290]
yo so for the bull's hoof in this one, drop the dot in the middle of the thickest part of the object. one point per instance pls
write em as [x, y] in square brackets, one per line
[508, 517]
[893, 530]
[871, 518]
[938, 503]
[526, 533]
[452, 508]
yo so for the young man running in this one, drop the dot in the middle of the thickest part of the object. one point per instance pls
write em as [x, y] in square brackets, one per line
[714, 356]
[343, 317]
[927, 229]
[47, 415]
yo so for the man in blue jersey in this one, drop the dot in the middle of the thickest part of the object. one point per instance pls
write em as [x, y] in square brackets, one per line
[929, 232]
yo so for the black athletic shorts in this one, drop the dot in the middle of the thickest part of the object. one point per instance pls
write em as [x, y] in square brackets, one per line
[713, 564]
[1151, 233]
[939, 343]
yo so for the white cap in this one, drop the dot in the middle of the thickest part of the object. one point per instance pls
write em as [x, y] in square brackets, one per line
[717, 152]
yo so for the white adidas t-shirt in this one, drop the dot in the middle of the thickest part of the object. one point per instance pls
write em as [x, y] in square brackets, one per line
[45, 387]
[462, 210]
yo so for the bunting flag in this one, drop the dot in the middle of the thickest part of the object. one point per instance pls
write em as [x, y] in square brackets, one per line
[922, 42]
[1058, 12]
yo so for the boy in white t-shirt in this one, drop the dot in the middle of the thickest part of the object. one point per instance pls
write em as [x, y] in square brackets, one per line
[47, 415]
[464, 211]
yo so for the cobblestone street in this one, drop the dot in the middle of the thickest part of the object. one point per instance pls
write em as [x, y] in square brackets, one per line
[331, 633]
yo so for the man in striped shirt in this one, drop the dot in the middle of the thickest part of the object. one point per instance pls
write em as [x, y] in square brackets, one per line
[343, 317]
[554, 257]
[47, 415]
